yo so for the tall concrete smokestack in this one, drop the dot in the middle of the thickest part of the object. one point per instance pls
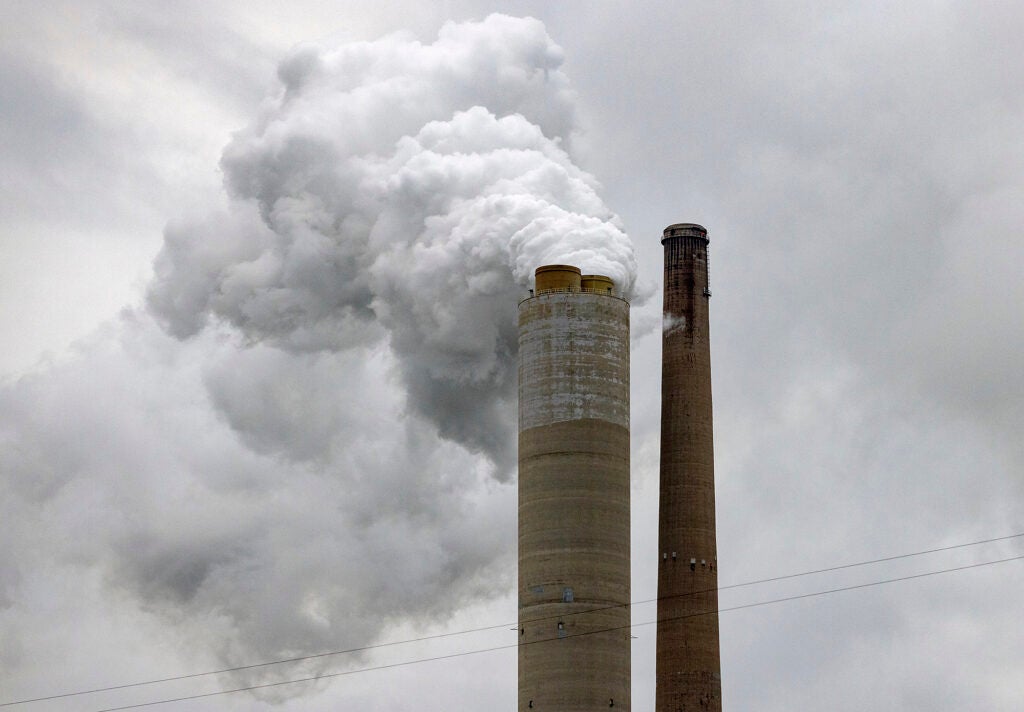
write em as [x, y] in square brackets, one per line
[573, 494]
[688, 660]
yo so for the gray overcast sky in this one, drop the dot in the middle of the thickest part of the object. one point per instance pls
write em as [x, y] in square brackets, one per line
[241, 420]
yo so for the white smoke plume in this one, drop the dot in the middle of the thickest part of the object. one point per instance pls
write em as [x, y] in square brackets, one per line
[405, 192]
[316, 441]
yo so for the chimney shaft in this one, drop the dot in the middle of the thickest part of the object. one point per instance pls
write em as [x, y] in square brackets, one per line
[574, 571]
[688, 660]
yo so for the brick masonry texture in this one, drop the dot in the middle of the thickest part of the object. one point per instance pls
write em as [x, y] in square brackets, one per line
[688, 660]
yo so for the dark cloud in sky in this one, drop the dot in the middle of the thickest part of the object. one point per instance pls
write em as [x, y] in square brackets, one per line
[198, 47]
[51, 140]
[859, 170]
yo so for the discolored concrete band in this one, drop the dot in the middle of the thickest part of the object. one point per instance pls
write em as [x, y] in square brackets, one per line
[688, 668]
[574, 573]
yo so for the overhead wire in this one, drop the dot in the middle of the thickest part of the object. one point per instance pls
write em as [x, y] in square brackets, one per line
[546, 640]
[449, 634]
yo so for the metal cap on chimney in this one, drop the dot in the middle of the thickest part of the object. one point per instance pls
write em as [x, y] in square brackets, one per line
[557, 278]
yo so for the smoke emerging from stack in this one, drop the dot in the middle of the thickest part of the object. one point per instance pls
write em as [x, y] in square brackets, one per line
[402, 192]
[312, 444]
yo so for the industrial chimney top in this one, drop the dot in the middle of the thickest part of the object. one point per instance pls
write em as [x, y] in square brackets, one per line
[557, 278]
[567, 278]
[685, 230]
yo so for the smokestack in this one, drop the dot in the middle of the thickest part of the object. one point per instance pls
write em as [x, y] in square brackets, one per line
[688, 660]
[574, 616]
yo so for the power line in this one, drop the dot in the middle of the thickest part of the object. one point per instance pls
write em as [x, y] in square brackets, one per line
[450, 634]
[866, 563]
[547, 640]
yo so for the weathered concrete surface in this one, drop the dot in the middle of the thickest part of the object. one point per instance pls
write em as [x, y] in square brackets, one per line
[688, 660]
[574, 571]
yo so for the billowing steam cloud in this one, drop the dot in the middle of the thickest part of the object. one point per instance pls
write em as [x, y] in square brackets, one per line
[402, 191]
[315, 442]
